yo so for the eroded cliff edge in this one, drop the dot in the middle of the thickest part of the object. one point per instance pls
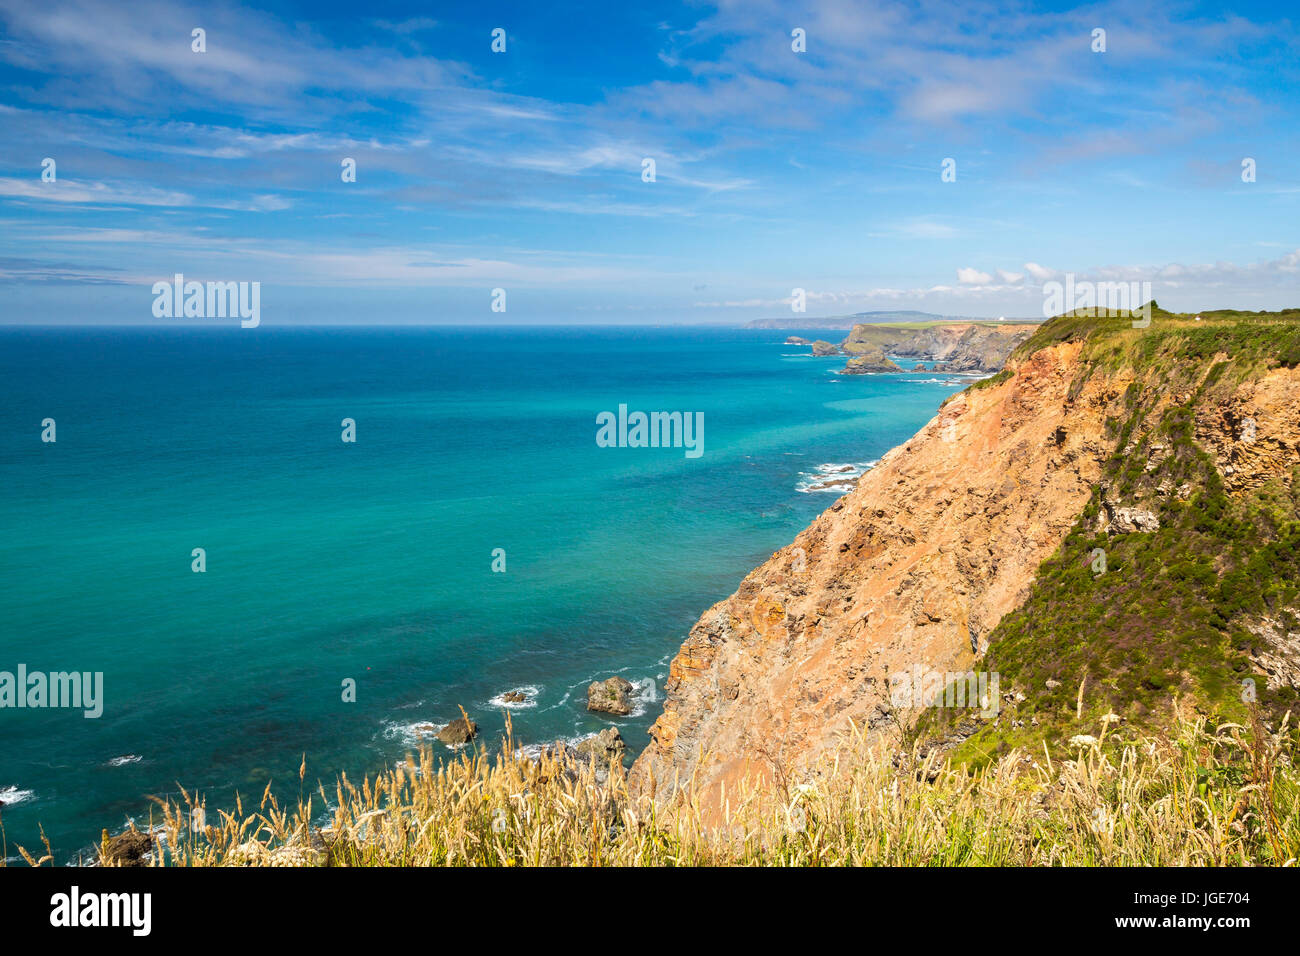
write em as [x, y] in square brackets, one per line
[915, 565]
[938, 543]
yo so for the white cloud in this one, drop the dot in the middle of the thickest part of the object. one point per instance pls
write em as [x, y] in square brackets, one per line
[1267, 285]
[114, 194]
[72, 191]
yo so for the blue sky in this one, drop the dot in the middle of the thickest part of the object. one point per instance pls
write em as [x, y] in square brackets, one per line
[522, 170]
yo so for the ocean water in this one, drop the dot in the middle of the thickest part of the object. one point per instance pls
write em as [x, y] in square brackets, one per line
[373, 560]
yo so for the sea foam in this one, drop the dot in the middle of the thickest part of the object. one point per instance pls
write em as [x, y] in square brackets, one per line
[12, 795]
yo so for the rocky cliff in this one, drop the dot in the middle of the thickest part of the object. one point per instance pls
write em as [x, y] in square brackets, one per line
[957, 347]
[917, 568]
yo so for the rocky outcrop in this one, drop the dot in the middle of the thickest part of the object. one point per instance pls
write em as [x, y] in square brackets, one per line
[982, 348]
[605, 747]
[459, 732]
[1114, 518]
[869, 361]
[612, 696]
[911, 569]
[823, 349]
[128, 848]
[796, 340]
[601, 753]
[1256, 437]
[839, 478]
[1279, 653]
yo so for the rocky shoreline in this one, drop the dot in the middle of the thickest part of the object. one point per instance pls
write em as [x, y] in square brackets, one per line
[959, 348]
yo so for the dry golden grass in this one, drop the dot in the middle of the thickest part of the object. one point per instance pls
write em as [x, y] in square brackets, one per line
[1221, 797]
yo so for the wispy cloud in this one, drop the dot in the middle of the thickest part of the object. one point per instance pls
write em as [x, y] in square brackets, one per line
[772, 168]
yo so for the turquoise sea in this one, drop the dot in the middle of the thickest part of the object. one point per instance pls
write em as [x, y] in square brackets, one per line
[373, 560]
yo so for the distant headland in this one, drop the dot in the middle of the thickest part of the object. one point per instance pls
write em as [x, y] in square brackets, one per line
[909, 316]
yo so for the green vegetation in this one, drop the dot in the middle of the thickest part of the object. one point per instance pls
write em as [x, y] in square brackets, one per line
[1172, 336]
[989, 382]
[1178, 612]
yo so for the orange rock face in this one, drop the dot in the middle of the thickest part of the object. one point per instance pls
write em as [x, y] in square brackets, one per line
[914, 567]
[917, 565]
[1255, 437]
